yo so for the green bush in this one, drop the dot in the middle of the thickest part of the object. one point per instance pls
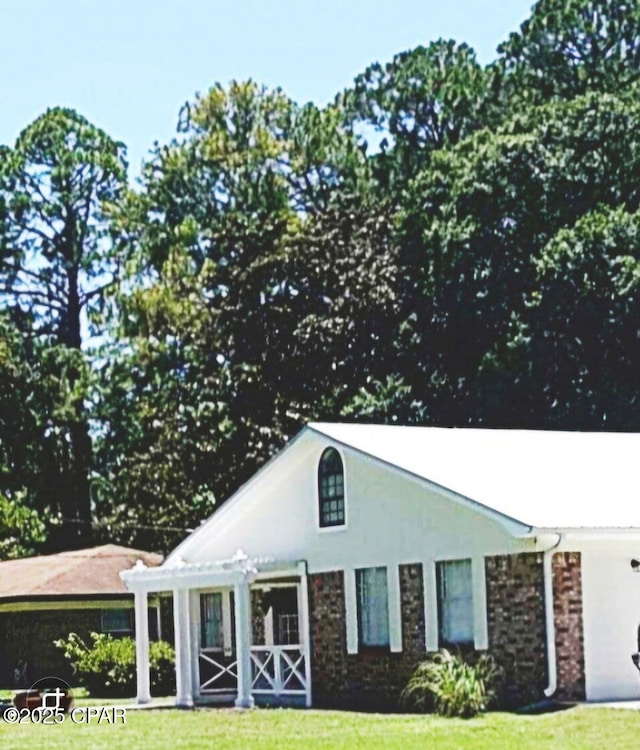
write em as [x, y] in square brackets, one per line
[107, 667]
[447, 685]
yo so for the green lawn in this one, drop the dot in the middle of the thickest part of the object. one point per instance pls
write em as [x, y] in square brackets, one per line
[221, 729]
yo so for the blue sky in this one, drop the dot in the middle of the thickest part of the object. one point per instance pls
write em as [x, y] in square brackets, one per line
[128, 65]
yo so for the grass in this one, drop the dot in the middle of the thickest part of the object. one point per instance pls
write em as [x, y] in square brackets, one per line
[280, 729]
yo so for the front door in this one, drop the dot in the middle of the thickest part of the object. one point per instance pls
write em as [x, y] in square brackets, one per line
[217, 664]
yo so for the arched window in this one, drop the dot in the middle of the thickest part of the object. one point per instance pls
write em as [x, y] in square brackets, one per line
[331, 488]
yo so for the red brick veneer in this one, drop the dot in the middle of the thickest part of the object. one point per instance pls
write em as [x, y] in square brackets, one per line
[567, 615]
[516, 620]
[368, 679]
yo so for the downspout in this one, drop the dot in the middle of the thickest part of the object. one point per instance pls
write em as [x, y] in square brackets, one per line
[550, 627]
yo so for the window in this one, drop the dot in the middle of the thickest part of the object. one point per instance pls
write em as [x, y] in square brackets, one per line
[211, 631]
[280, 605]
[116, 622]
[373, 607]
[287, 632]
[455, 602]
[331, 489]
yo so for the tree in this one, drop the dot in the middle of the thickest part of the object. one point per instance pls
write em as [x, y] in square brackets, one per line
[421, 101]
[480, 215]
[55, 262]
[568, 48]
[578, 337]
[234, 214]
[26, 448]
[160, 404]
[20, 528]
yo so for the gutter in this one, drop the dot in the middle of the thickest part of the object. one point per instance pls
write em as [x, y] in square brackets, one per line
[548, 612]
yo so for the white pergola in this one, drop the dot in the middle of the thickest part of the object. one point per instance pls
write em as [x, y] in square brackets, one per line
[180, 577]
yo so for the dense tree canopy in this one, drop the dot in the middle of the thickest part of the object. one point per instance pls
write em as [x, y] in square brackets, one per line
[446, 243]
[55, 261]
[570, 47]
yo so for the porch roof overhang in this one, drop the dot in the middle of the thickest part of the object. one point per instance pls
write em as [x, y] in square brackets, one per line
[179, 574]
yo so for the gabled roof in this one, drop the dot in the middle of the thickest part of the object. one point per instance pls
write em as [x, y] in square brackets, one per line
[79, 573]
[543, 479]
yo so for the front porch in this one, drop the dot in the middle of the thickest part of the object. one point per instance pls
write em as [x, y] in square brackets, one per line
[241, 630]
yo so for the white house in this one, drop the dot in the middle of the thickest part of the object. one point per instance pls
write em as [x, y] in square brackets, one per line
[358, 549]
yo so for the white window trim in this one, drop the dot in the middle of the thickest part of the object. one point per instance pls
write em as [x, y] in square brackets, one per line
[480, 626]
[343, 526]
[394, 604]
[430, 589]
[351, 610]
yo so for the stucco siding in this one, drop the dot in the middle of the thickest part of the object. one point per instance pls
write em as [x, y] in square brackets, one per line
[611, 614]
[392, 518]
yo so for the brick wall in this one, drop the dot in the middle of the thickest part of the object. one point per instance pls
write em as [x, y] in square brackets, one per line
[412, 598]
[516, 625]
[516, 620]
[372, 679]
[567, 615]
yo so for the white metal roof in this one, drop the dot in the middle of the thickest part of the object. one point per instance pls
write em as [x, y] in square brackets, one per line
[544, 479]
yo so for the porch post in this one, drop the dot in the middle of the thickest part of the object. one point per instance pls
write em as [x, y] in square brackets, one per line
[143, 694]
[184, 696]
[304, 624]
[242, 599]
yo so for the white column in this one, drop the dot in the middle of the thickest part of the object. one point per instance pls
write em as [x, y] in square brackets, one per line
[304, 625]
[143, 694]
[242, 599]
[184, 695]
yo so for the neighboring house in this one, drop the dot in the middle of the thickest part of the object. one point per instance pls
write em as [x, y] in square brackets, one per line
[46, 597]
[368, 547]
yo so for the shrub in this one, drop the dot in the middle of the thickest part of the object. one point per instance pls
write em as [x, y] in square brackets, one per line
[107, 668]
[162, 668]
[447, 685]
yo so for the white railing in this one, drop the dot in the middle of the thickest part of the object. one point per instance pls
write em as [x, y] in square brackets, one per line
[220, 672]
[275, 670]
[279, 670]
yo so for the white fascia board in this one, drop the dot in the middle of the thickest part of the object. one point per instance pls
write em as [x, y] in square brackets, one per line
[584, 532]
[232, 507]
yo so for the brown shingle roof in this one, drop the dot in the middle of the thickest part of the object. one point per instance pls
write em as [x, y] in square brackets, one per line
[82, 572]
